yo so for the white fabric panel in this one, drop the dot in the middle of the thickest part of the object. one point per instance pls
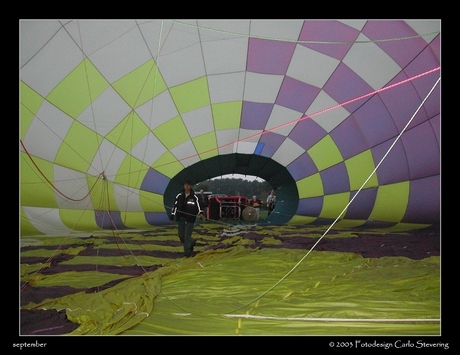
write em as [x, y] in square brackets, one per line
[160, 110]
[108, 159]
[198, 121]
[120, 57]
[262, 87]
[370, 69]
[244, 147]
[149, 149]
[356, 24]
[226, 87]
[311, 67]
[106, 112]
[72, 184]
[281, 115]
[226, 56]
[330, 118]
[225, 139]
[34, 34]
[287, 152]
[52, 124]
[127, 198]
[52, 64]
[186, 153]
[182, 66]
[277, 29]
[424, 27]
[82, 32]
[223, 29]
[46, 220]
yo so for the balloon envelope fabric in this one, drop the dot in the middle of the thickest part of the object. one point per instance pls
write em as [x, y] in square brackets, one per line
[341, 117]
[241, 281]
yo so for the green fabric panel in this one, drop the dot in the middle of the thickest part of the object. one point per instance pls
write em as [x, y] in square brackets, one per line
[150, 202]
[110, 320]
[76, 92]
[27, 228]
[350, 223]
[191, 95]
[298, 219]
[78, 219]
[102, 195]
[80, 279]
[325, 153]
[176, 125]
[311, 186]
[394, 195]
[206, 145]
[35, 191]
[140, 85]
[359, 168]
[239, 290]
[125, 259]
[334, 204]
[199, 297]
[79, 147]
[227, 115]
[131, 172]
[128, 132]
[30, 103]
[168, 165]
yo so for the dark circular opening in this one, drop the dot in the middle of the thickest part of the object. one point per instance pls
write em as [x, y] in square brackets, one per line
[274, 173]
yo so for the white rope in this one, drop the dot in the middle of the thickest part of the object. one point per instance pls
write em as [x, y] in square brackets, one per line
[348, 204]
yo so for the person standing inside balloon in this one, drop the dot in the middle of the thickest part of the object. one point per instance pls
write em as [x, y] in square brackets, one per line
[185, 210]
[256, 203]
[271, 201]
[203, 202]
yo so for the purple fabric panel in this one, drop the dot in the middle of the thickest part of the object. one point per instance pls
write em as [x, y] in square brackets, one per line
[401, 51]
[272, 142]
[436, 124]
[394, 168]
[156, 218]
[109, 220]
[269, 57]
[332, 31]
[310, 206]
[345, 85]
[375, 122]
[255, 115]
[424, 201]
[422, 151]
[302, 167]
[296, 95]
[402, 102]
[426, 61]
[362, 205]
[378, 224]
[335, 179]
[307, 133]
[435, 47]
[349, 138]
[154, 182]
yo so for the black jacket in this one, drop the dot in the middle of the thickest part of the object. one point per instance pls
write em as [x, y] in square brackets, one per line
[188, 207]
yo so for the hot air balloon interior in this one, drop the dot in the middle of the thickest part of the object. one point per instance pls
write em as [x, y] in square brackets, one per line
[340, 117]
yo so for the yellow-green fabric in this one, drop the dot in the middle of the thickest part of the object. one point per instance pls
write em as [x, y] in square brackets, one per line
[239, 288]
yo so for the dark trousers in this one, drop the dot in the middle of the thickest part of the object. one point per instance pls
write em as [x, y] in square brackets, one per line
[185, 230]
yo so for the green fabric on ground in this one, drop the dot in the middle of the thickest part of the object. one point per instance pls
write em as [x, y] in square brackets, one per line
[233, 287]
[208, 298]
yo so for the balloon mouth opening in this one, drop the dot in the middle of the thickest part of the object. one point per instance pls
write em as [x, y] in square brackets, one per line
[271, 171]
